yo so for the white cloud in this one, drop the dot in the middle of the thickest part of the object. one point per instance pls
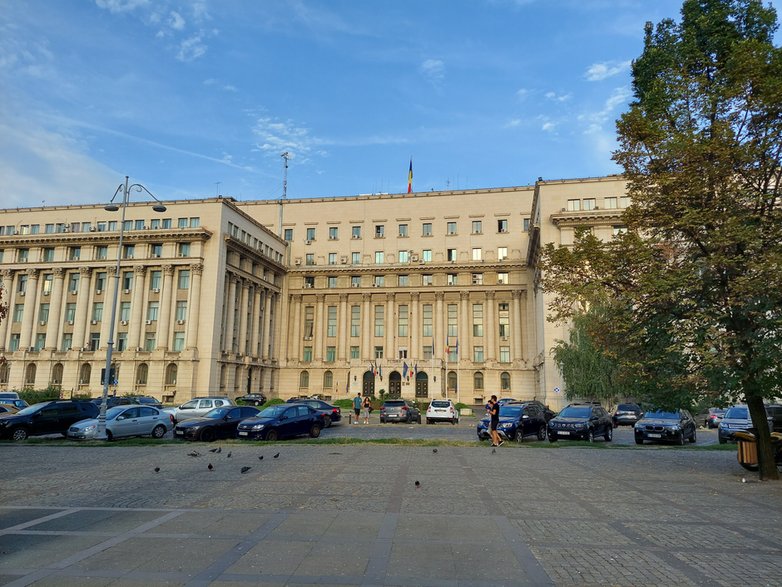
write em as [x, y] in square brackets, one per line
[522, 93]
[120, 6]
[192, 48]
[558, 97]
[600, 71]
[595, 121]
[211, 82]
[548, 126]
[275, 136]
[433, 69]
[176, 21]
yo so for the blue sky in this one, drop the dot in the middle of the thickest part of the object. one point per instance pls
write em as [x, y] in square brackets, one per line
[198, 97]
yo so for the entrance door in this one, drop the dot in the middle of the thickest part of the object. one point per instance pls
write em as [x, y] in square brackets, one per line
[395, 384]
[368, 383]
[421, 385]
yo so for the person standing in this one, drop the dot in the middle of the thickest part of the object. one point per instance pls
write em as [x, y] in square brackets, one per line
[357, 407]
[494, 414]
[365, 407]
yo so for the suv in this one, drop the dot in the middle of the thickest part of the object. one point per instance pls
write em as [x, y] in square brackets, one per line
[11, 398]
[581, 421]
[627, 414]
[399, 410]
[774, 412]
[251, 399]
[197, 407]
[442, 409]
[53, 417]
[737, 419]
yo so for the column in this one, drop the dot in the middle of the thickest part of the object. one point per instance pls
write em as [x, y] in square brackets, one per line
[295, 315]
[164, 319]
[194, 306]
[268, 317]
[55, 307]
[8, 283]
[515, 320]
[343, 319]
[244, 300]
[366, 323]
[229, 318]
[489, 329]
[390, 352]
[465, 340]
[439, 339]
[318, 333]
[255, 327]
[30, 298]
[527, 329]
[82, 306]
[415, 324]
[137, 308]
[108, 299]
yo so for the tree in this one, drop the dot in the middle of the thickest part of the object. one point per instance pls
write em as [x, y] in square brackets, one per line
[697, 280]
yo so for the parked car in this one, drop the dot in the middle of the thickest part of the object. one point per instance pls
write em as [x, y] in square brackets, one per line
[581, 421]
[399, 410]
[735, 419]
[442, 410]
[147, 400]
[217, 423]
[123, 421]
[329, 414]
[7, 410]
[52, 417]
[711, 417]
[11, 398]
[251, 399]
[113, 401]
[281, 421]
[197, 407]
[505, 400]
[627, 414]
[548, 413]
[665, 426]
[517, 420]
[774, 412]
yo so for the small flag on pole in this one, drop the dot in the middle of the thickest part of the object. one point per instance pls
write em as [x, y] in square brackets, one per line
[410, 177]
[404, 369]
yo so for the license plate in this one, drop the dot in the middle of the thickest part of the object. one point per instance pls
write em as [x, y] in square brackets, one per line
[243, 433]
[563, 433]
[178, 432]
[651, 435]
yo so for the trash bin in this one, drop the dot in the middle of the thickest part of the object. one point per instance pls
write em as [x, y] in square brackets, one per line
[747, 452]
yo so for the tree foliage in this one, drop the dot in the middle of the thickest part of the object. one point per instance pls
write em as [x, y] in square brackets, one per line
[696, 283]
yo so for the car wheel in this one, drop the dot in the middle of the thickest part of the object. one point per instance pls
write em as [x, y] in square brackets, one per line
[271, 435]
[19, 434]
[454, 421]
[382, 421]
[206, 435]
[590, 436]
[315, 431]
[419, 418]
[639, 440]
[109, 435]
[721, 440]
[159, 431]
[542, 433]
[326, 421]
[428, 420]
[681, 439]
[552, 438]
[692, 438]
[609, 434]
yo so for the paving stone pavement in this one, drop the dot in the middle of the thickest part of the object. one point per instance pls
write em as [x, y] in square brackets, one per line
[352, 515]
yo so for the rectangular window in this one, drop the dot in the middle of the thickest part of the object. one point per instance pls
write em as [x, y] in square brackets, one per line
[183, 249]
[70, 312]
[450, 228]
[127, 281]
[450, 255]
[403, 317]
[355, 281]
[73, 282]
[156, 250]
[74, 253]
[573, 205]
[504, 354]
[309, 321]
[589, 203]
[403, 230]
[619, 230]
[181, 222]
[288, 234]
[155, 278]
[18, 312]
[379, 257]
[451, 279]
[24, 254]
[195, 222]
[309, 259]
[504, 320]
[404, 280]
[21, 284]
[149, 342]
[331, 281]
[355, 321]
[152, 310]
[166, 224]
[502, 225]
[97, 311]
[181, 310]
[47, 283]
[124, 311]
[427, 279]
[380, 280]
[355, 258]
[502, 253]
[502, 279]
[354, 352]
[477, 319]
[477, 278]
[128, 251]
[307, 354]
[477, 354]
[94, 341]
[404, 256]
[610, 203]
[426, 313]
[378, 352]
[331, 321]
[122, 341]
[67, 341]
[155, 224]
[14, 343]
[426, 255]
[333, 233]
[332, 258]
[355, 232]
[43, 313]
[179, 341]
[183, 280]
[426, 229]
[310, 233]
[139, 225]
[525, 224]
[380, 320]
[428, 352]
[453, 325]
[380, 230]
[477, 226]
[100, 281]
[47, 256]
[331, 354]
[309, 281]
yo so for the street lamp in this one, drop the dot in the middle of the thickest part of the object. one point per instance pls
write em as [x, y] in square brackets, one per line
[112, 207]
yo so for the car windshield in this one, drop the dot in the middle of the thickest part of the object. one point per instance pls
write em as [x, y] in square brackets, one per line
[394, 404]
[662, 415]
[31, 409]
[440, 404]
[627, 407]
[510, 411]
[576, 412]
[112, 413]
[731, 414]
[217, 413]
[273, 411]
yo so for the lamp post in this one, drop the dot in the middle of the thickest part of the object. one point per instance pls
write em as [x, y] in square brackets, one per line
[112, 207]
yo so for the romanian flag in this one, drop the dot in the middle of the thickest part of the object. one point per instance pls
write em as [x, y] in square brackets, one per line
[410, 177]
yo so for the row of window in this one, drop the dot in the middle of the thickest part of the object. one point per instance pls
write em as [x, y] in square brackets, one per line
[66, 343]
[609, 203]
[101, 281]
[85, 374]
[427, 279]
[403, 230]
[253, 242]
[452, 381]
[96, 315]
[101, 226]
[99, 252]
[404, 256]
[379, 353]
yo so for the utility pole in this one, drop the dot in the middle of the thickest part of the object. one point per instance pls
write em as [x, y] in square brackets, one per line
[285, 156]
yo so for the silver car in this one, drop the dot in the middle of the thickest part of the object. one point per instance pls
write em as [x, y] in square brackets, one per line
[123, 421]
[198, 407]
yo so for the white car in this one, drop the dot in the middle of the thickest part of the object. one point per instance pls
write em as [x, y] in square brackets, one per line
[124, 421]
[442, 410]
[197, 407]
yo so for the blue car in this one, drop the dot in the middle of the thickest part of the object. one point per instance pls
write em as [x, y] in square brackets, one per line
[517, 420]
[281, 421]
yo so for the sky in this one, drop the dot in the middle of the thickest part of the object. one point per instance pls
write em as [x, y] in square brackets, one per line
[195, 98]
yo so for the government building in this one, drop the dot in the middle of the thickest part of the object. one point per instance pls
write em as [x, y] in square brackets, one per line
[419, 295]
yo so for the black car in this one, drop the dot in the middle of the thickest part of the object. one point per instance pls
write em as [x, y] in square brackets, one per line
[113, 401]
[216, 423]
[548, 413]
[627, 414]
[146, 400]
[281, 421]
[329, 414]
[517, 420]
[52, 417]
[251, 399]
[665, 426]
[581, 421]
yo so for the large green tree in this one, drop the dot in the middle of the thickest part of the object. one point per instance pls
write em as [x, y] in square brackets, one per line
[696, 283]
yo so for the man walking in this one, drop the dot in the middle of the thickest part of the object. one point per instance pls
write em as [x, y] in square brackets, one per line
[357, 407]
[494, 414]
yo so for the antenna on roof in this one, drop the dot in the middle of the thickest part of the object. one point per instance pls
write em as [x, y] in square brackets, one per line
[285, 156]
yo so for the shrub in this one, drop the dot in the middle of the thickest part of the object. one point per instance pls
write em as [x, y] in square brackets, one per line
[345, 404]
[34, 396]
[272, 402]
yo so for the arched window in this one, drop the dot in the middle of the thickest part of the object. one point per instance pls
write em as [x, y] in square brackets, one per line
[29, 376]
[452, 381]
[504, 381]
[84, 374]
[304, 380]
[477, 381]
[142, 374]
[328, 380]
[4, 369]
[171, 371]
[57, 374]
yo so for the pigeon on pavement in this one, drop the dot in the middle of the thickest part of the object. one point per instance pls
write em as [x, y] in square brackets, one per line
[277, 455]
[157, 469]
[195, 453]
[245, 469]
[210, 466]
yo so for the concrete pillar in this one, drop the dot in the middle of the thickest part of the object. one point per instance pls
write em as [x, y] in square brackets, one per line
[390, 351]
[54, 327]
[194, 305]
[82, 307]
[164, 319]
[465, 327]
[107, 301]
[489, 328]
[137, 308]
[415, 321]
[343, 321]
[295, 312]
[244, 300]
[366, 327]
[515, 320]
[255, 325]
[318, 333]
[30, 300]
[439, 340]
[268, 325]
[8, 286]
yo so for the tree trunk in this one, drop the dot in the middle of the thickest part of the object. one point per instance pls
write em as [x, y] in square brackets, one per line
[757, 411]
